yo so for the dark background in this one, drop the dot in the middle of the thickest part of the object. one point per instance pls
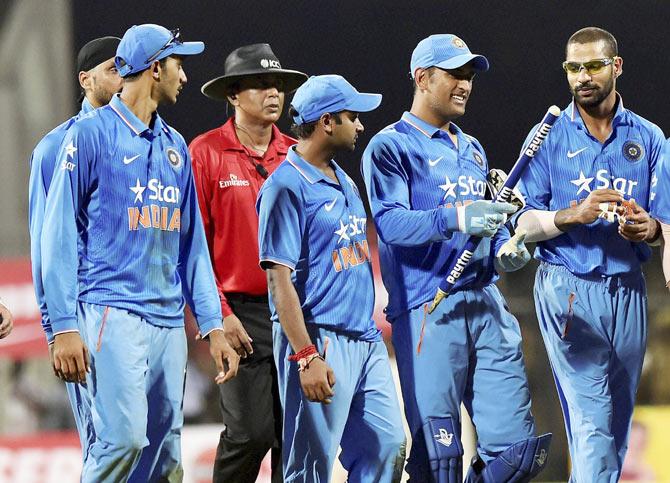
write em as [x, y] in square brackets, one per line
[370, 43]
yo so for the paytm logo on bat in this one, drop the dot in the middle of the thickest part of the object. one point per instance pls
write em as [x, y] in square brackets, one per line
[602, 180]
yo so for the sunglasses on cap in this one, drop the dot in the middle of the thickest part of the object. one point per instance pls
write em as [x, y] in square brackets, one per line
[173, 40]
[591, 67]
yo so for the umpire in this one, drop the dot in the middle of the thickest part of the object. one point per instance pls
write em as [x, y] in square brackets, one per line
[230, 163]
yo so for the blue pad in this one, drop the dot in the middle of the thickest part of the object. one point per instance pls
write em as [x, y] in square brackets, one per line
[517, 464]
[443, 442]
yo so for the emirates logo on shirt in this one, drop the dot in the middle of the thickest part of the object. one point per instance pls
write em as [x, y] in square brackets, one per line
[232, 182]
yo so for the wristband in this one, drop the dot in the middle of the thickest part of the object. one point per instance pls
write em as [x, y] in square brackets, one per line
[307, 351]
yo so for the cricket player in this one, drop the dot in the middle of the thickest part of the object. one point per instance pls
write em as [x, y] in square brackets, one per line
[426, 182]
[590, 293]
[314, 249]
[230, 164]
[123, 248]
[99, 81]
[660, 206]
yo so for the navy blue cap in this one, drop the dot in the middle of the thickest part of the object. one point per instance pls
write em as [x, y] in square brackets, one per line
[141, 45]
[445, 51]
[330, 93]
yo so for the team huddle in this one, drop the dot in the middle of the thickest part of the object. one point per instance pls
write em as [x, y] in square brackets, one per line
[264, 237]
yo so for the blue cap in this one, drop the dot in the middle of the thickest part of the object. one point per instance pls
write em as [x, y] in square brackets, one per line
[141, 45]
[330, 93]
[445, 51]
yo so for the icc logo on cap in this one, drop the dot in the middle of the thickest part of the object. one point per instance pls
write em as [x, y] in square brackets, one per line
[174, 158]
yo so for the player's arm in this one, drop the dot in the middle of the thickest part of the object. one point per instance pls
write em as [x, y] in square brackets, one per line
[387, 186]
[665, 252]
[37, 195]
[280, 231]
[316, 377]
[233, 330]
[59, 252]
[198, 284]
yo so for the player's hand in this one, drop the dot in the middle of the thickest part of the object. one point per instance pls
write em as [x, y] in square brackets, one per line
[483, 218]
[513, 254]
[236, 336]
[71, 361]
[226, 359]
[590, 209]
[639, 226]
[6, 321]
[317, 381]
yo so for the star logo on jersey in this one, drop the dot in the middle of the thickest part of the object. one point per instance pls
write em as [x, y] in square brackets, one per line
[449, 188]
[70, 150]
[138, 189]
[444, 437]
[342, 232]
[582, 182]
[654, 181]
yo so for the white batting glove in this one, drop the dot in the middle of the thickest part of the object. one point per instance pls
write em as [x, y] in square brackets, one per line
[513, 255]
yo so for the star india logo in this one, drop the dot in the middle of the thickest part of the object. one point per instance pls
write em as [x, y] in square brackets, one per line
[444, 437]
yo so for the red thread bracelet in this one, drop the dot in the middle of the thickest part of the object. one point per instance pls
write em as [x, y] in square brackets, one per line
[304, 353]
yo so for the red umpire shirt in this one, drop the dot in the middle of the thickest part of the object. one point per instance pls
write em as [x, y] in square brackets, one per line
[228, 181]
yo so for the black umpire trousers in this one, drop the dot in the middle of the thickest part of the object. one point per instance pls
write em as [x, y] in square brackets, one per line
[250, 404]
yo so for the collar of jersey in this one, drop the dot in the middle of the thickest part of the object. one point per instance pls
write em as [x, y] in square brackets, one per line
[427, 129]
[86, 106]
[620, 116]
[230, 142]
[132, 121]
[309, 172]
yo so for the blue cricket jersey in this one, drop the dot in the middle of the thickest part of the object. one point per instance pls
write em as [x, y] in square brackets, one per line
[316, 227]
[415, 178]
[125, 193]
[42, 164]
[569, 165]
[660, 188]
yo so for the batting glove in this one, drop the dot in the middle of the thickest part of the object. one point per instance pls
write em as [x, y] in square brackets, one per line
[513, 253]
[483, 218]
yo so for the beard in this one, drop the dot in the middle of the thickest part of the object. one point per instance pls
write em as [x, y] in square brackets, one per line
[598, 95]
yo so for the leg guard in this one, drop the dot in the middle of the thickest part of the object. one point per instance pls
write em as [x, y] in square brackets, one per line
[517, 464]
[443, 442]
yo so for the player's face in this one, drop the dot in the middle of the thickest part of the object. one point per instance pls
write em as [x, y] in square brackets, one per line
[591, 88]
[345, 134]
[105, 82]
[172, 80]
[449, 91]
[260, 98]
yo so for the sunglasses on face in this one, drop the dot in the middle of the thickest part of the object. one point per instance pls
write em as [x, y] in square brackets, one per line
[591, 67]
[174, 40]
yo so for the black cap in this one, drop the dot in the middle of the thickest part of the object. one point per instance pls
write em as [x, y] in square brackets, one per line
[251, 60]
[96, 52]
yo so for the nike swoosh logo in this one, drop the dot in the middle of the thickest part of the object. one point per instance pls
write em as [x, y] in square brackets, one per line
[329, 206]
[572, 155]
[130, 160]
[432, 162]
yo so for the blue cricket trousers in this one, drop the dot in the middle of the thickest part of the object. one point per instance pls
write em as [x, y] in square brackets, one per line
[595, 332]
[363, 417]
[129, 413]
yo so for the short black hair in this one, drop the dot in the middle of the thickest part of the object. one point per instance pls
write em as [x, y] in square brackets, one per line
[304, 131]
[136, 75]
[594, 34]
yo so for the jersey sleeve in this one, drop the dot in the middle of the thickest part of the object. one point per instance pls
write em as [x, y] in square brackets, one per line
[534, 183]
[387, 186]
[73, 176]
[660, 187]
[37, 194]
[281, 224]
[195, 266]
